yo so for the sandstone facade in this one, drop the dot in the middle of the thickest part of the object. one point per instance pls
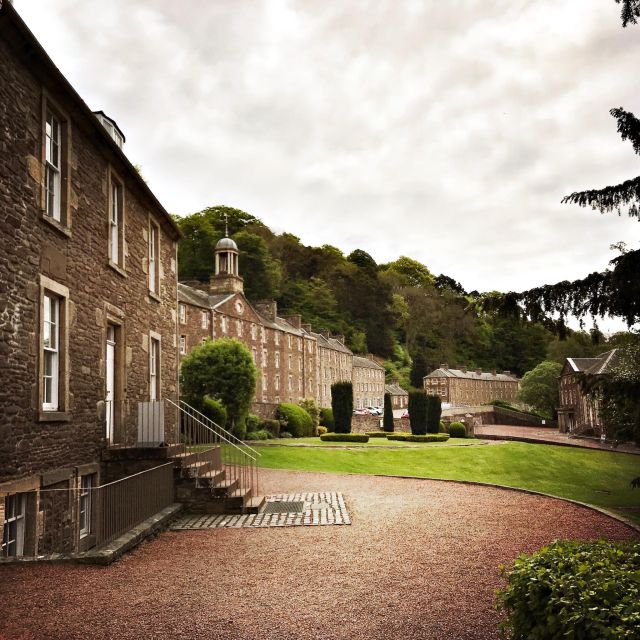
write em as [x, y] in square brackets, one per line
[463, 387]
[368, 383]
[88, 282]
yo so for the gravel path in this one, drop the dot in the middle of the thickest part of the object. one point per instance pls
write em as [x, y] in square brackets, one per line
[419, 561]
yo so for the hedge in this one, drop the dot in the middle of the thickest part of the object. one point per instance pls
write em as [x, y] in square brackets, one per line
[410, 437]
[342, 405]
[418, 412]
[326, 418]
[344, 437]
[377, 434]
[457, 430]
[586, 591]
[262, 434]
[298, 422]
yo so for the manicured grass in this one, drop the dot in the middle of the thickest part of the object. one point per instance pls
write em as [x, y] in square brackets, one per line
[373, 442]
[600, 478]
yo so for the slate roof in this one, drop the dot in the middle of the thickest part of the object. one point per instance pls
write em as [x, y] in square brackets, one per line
[199, 298]
[331, 343]
[471, 375]
[595, 366]
[395, 389]
[359, 361]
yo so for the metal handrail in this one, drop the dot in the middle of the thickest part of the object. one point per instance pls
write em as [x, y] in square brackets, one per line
[200, 438]
[217, 426]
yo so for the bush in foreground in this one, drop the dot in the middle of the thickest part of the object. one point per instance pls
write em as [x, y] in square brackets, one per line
[377, 434]
[321, 430]
[326, 418]
[273, 426]
[261, 434]
[410, 437]
[298, 422]
[586, 591]
[344, 437]
[457, 430]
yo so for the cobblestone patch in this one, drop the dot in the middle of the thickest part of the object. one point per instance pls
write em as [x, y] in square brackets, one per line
[320, 509]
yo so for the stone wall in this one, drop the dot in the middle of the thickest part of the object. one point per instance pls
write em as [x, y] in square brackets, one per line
[362, 424]
[72, 257]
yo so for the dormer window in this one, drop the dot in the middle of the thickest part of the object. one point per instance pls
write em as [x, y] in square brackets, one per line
[111, 127]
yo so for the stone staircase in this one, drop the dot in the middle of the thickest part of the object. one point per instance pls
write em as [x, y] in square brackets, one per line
[204, 484]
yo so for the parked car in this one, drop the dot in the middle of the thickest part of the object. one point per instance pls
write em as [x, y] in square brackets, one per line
[405, 415]
[374, 411]
[361, 412]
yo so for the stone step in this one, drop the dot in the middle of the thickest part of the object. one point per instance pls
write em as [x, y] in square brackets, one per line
[236, 501]
[196, 469]
[225, 488]
[255, 504]
[211, 478]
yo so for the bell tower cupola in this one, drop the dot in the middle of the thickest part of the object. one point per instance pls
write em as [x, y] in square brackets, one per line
[226, 277]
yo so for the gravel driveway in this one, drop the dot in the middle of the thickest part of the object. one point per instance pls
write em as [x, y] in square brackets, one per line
[419, 561]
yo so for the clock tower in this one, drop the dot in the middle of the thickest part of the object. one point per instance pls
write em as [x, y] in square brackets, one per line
[226, 278]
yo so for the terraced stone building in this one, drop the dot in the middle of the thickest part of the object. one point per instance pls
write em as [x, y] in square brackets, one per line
[465, 387]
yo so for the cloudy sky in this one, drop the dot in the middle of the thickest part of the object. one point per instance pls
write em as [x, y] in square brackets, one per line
[446, 131]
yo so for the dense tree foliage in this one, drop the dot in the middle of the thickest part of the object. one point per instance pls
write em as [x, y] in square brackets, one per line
[387, 419]
[418, 410]
[540, 387]
[224, 371]
[342, 406]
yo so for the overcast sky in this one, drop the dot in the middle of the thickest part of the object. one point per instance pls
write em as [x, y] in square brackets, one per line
[446, 131]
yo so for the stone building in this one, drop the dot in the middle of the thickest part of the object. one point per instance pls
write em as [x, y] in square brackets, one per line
[285, 351]
[578, 413]
[399, 397]
[464, 387]
[88, 282]
[368, 383]
[335, 364]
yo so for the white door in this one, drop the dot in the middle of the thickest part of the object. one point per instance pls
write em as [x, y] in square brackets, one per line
[111, 373]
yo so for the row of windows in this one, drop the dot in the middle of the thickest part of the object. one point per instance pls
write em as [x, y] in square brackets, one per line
[56, 133]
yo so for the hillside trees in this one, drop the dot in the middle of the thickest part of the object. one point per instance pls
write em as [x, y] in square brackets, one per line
[540, 387]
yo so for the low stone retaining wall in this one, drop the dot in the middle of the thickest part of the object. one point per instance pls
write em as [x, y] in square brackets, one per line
[362, 424]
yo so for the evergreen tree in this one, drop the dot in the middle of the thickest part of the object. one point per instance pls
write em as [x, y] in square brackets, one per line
[418, 412]
[342, 406]
[387, 418]
[434, 413]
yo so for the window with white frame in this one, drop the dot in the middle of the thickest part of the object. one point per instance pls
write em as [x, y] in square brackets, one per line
[84, 512]
[224, 324]
[51, 352]
[154, 368]
[183, 344]
[290, 360]
[254, 353]
[277, 360]
[263, 334]
[53, 167]
[290, 383]
[299, 364]
[264, 358]
[239, 328]
[254, 331]
[277, 383]
[13, 530]
[276, 337]
[300, 384]
[264, 383]
[116, 222]
[289, 340]
[154, 263]
[182, 310]
[205, 319]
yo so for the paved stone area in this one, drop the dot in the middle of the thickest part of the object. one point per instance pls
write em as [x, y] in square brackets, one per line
[549, 436]
[325, 508]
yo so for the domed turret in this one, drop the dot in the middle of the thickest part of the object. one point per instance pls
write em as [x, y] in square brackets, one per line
[226, 278]
[226, 243]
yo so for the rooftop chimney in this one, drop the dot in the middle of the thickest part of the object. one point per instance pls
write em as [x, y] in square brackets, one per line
[306, 327]
[339, 338]
[479, 372]
[268, 308]
[507, 373]
[444, 365]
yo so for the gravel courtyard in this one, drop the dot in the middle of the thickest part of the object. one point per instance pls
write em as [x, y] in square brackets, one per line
[420, 560]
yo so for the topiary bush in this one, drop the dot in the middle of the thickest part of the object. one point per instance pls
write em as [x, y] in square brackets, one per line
[299, 423]
[442, 427]
[429, 437]
[273, 426]
[261, 434]
[434, 411]
[586, 591]
[387, 418]
[344, 437]
[321, 430]
[457, 430]
[342, 405]
[326, 418]
[418, 412]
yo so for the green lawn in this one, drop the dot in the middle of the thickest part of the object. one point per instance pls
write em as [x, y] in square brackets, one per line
[600, 478]
[373, 442]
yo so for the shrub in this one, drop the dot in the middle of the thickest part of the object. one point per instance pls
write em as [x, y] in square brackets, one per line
[311, 407]
[298, 421]
[285, 434]
[418, 412]
[273, 426]
[326, 418]
[344, 437]
[442, 428]
[377, 434]
[387, 419]
[321, 430]
[214, 410]
[574, 590]
[342, 405]
[457, 430]
[252, 422]
[434, 411]
[261, 434]
[429, 437]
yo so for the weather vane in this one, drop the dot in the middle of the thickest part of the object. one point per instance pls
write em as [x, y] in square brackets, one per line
[226, 225]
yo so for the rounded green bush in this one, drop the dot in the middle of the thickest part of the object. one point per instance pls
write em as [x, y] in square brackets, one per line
[261, 434]
[285, 434]
[344, 437]
[442, 428]
[457, 430]
[299, 423]
[252, 422]
[214, 410]
[272, 426]
[326, 418]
